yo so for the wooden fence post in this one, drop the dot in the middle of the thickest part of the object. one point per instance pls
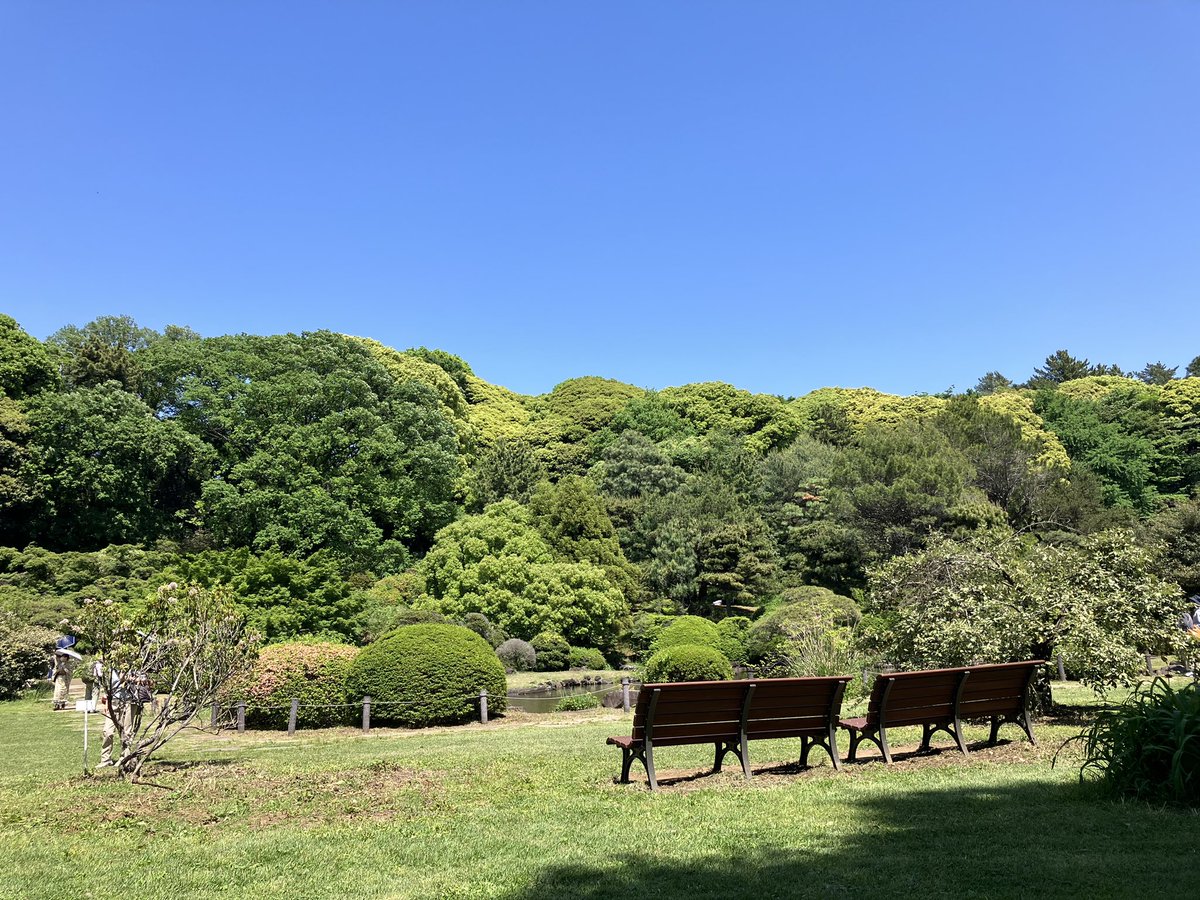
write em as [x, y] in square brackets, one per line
[1149, 665]
[292, 716]
[241, 716]
[625, 694]
[483, 707]
[1062, 669]
[366, 714]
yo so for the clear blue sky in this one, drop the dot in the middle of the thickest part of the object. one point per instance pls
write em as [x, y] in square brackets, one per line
[779, 195]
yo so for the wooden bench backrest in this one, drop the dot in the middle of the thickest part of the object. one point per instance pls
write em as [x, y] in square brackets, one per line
[930, 696]
[700, 711]
[792, 707]
[692, 712]
[997, 690]
[914, 697]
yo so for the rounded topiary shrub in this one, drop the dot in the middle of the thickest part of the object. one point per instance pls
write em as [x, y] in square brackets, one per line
[423, 675]
[313, 672]
[687, 630]
[553, 651]
[517, 655]
[688, 662]
[733, 633]
[586, 658]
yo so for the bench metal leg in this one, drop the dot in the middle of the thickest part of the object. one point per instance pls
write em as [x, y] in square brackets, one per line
[878, 737]
[1022, 720]
[648, 760]
[627, 758]
[827, 743]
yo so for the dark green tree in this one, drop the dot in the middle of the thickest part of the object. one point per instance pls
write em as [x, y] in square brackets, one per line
[1157, 373]
[1061, 367]
[508, 469]
[900, 484]
[105, 470]
[992, 383]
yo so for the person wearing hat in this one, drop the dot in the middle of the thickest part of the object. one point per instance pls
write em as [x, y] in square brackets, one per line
[63, 666]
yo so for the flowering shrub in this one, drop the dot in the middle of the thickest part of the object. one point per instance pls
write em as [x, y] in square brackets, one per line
[314, 673]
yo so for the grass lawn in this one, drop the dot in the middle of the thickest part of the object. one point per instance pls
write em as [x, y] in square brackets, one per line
[526, 807]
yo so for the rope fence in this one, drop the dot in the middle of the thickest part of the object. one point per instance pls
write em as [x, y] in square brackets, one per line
[367, 704]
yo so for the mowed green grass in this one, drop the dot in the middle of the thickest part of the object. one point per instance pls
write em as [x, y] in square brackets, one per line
[527, 807]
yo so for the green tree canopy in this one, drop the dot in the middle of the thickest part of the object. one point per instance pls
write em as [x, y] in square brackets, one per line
[25, 365]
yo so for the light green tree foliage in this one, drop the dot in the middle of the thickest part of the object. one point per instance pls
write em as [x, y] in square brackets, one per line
[900, 484]
[105, 470]
[321, 447]
[281, 596]
[994, 598]
[505, 470]
[865, 408]
[568, 417]
[648, 415]
[1097, 387]
[496, 413]
[1019, 406]
[762, 421]
[25, 365]
[499, 564]
[1181, 409]
[410, 367]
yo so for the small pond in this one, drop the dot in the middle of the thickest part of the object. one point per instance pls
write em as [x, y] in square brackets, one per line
[545, 700]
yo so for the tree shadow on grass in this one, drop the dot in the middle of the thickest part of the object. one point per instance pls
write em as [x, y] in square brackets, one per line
[1039, 839]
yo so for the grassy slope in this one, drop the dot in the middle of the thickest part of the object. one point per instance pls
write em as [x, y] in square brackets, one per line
[526, 807]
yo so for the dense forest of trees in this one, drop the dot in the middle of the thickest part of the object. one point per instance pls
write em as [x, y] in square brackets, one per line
[341, 486]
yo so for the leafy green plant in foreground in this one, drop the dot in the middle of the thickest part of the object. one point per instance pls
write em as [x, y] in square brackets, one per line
[1148, 748]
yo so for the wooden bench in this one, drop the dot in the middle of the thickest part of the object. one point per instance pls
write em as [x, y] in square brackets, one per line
[939, 699]
[729, 714]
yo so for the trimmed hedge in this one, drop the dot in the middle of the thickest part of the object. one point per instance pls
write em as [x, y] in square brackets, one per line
[553, 651]
[422, 675]
[688, 630]
[733, 633]
[517, 655]
[688, 662]
[313, 672]
[587, 658]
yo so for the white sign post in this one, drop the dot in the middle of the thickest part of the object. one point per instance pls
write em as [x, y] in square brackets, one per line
[85, 707]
